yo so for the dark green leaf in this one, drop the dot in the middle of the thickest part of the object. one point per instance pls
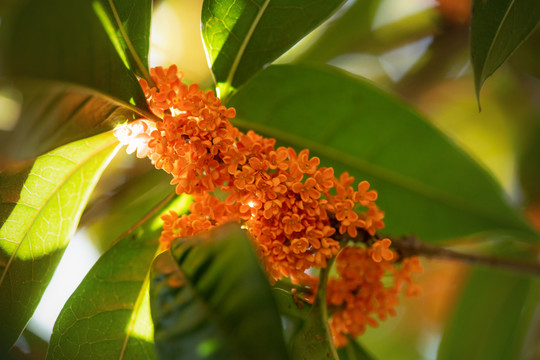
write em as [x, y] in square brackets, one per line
[492, 317]
[242, 36]
[113, 298]
[353, 351]
[53, 48]
[211, 300]
[497, 29]
[427, 186]
[29, 347]
[55, 113]
[39, 211]
[127, 22]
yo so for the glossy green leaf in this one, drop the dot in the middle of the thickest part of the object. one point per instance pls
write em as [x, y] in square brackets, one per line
[497, 29]
[243, 36]
[126, 23]
[427, 185]
[55, 113]
[108, 316]
[492, 317]
[211, 300]
[65, 65]
[39, 211]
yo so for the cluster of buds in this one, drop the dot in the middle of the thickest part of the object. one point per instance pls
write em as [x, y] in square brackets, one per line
[298, 213]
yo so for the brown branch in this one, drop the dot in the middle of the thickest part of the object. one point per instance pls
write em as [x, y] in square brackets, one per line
[411, 246]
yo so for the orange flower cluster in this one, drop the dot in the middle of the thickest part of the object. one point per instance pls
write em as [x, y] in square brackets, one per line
[358, 294]
[296, 211]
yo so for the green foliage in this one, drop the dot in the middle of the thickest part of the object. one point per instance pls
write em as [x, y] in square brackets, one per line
[65, 73]
[242, 36]
[127, 24]
[313, 339]
[497, 29]
[207, 304]
[112, 300]
[76, 64]
[356, 127]
[40, 208]
[56, 113]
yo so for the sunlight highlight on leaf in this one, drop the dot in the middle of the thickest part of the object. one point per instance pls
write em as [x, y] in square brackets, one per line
[241, 36]
[39, 211]
[117, 290]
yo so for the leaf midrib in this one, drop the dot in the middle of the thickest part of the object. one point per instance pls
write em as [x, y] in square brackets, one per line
[242, 49]
[69, 86]
[495, 37]
[384, 174]
[58, 188]
[130, 46]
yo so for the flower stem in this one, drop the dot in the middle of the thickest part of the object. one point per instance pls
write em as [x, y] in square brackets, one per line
[320, 300]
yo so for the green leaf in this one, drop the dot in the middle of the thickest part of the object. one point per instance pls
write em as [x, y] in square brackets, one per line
[39, 211]
[427, 186]
[243, 36]
[497, 29]
[29, 346]
[492, 317]
[126, 23]
[66, 53]
[353, 351]
[211, 300]
[108, 316]
[56, 113]
[107, 220]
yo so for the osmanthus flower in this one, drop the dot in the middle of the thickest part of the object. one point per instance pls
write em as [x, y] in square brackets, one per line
[298, 213]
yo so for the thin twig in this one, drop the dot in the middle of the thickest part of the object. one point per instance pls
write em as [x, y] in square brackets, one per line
[411, 246]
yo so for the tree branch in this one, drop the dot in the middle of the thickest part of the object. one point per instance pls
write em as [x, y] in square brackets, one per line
[411, 246]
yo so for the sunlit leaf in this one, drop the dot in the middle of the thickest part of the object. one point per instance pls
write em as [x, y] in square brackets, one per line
[427, 186]
[492, 317]
[497, 29]
[64, 62]
[243, 36]
[112, 300]
[211, 300]
[127, 23]
[39, 211]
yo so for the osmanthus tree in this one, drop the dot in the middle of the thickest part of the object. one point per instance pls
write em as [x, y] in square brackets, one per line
[287, 211]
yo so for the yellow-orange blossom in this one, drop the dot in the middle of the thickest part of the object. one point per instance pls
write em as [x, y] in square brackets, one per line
[296, 211]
